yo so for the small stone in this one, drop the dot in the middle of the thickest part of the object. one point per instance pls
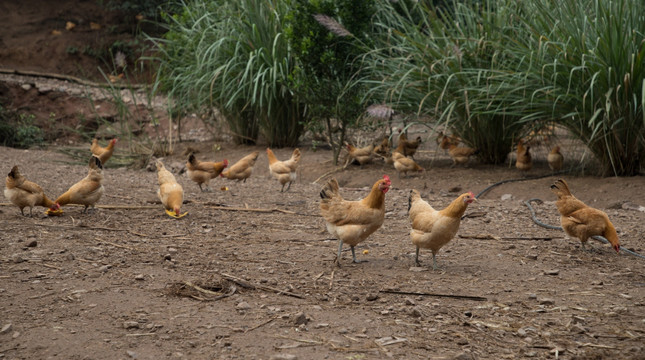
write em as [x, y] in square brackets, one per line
[26, 87]
[532, 256]
[300, 318]
[15, 335]
[105, 268]
[32, 243]
[167, 257]
[17, 258]
[468, 314]
[554, 272]
[139, 277]
[415, 313]
[172, 250]
[130, 324]
[409, 301]
[283, 357]
[5, 329]
[532, 296]
[462, 342]
[131, 354]
[372, 297]
[70, 257]
[521, 332]
[506, 197]
[321, 325]
[547, 301]
[243, 306]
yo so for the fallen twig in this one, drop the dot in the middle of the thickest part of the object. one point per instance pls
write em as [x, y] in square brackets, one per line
[216, 207]
[329, 173]
[249, 285]
[261, 324]
[464, 297]
[116, 245]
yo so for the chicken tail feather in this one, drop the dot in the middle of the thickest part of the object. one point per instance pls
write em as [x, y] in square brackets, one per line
[330, 189]
[561, 188]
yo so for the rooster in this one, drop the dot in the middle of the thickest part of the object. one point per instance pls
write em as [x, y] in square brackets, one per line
[284, 171]
[202, 172]
[353, 221]
[22, 192]
[170, 192]
[432, 229]
[242, 169]
[103, 153]
[86, 192]
[581, 221]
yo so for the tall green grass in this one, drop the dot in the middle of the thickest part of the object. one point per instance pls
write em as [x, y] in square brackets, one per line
[592, 71]
[233, 56]
[492, 71]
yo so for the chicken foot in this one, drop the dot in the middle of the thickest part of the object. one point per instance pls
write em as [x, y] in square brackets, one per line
[434, 260]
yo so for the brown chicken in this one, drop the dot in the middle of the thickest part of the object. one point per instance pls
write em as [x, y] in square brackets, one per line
[22, 192]
[403, 164]
[242, 169]
[581, 221]
[359, 155]
[407, 147]
[555, 159]
[523, 161]
[353, 221]
[103, 153]
[460, 155]
[383, 149]
[284, 171]
[202, 172]
[86, 192]
[432, 229]
[170, 192]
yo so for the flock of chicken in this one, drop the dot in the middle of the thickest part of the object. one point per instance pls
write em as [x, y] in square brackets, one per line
[351, 222]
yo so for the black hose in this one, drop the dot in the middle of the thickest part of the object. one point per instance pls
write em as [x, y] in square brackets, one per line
[595, 237]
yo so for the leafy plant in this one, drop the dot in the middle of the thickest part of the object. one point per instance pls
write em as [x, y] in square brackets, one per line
[327, 38]
[233, 56]
[18, 130]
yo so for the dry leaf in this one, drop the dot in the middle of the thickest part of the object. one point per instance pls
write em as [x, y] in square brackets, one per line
[95, 26]
[56, 32]
[69, 26]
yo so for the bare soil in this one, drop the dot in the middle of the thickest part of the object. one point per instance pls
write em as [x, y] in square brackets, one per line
[249, 273]
[113, 283]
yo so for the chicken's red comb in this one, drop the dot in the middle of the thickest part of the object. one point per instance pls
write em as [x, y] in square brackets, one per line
[387, 178]
[471, 194]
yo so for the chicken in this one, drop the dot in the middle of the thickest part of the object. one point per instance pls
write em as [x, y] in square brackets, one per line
[284, 171]
[86, 192]
[103, 153]
[432, 229]
[523, 161]
[202, 172]
[403, 164]
[360, 155]
[555, 159]
[407, 147]
[383, 149]
[242, 169]
[581, 221]
[353, 221]
[170, 192]
[446, 141]
[22, 192]
[460, 155]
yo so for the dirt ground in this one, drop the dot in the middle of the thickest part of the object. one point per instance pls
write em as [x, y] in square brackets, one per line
[114, 283]
[249, 273]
